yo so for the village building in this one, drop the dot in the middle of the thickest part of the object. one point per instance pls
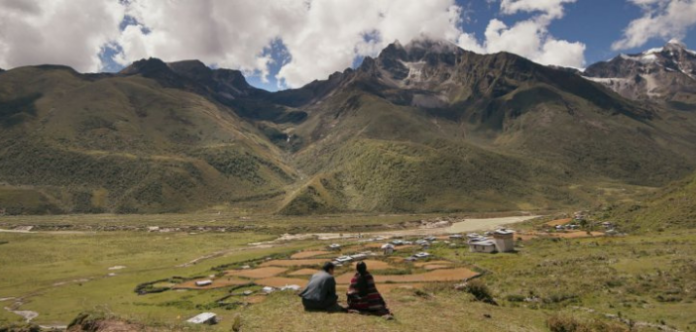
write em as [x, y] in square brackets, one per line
[422, 255]
[204, 318]
[504, 240]
[579, 215]
[344, 259]
[204, 283]
[388, 249]
[474, 237]
[397, 242]
[359, 257]
[482, 246]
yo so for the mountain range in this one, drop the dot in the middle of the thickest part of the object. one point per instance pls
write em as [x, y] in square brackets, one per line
[422, 127]
[666, 74]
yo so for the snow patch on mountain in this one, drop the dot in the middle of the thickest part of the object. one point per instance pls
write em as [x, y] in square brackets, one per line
[643, 58]
[415, 70]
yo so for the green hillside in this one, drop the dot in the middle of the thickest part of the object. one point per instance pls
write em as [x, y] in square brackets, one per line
[125, 144]
[673, 206]
[535, 147]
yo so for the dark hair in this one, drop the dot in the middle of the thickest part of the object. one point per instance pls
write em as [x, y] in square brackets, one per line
[361, 267]
[328, 266]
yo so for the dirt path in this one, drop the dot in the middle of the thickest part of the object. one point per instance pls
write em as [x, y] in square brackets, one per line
[471, 225]
[252, 246]
[468, 225]
[28, 315]
[50, 232]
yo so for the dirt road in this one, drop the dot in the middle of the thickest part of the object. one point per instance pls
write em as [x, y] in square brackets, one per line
[468, 225]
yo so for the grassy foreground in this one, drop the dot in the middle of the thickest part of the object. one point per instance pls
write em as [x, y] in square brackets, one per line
[645, 280]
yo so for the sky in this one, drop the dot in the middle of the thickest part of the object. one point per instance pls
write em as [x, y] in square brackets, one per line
[280, 44]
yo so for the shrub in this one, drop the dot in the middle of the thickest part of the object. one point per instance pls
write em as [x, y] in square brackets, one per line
[480, 291]
[515, 298]
[237, 324]
[89, 320]
[560, 323]
[22, 327]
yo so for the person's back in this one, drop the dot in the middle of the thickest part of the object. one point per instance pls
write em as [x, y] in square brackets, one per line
[363, 295]
[320, 293]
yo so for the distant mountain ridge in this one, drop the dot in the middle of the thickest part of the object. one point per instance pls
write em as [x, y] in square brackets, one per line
[662, 74]
[422, 127]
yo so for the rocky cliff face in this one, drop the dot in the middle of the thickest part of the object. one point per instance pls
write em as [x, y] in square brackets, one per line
[662, 74]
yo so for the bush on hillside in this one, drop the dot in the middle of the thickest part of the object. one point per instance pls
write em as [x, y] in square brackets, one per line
[480, 291]
[561, 323]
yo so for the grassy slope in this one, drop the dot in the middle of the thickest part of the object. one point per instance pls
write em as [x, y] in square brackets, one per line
[52, 267]
[673, 206]
[367, 154]
[128, 145]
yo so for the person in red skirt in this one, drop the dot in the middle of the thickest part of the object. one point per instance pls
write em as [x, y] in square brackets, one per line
[363, 295]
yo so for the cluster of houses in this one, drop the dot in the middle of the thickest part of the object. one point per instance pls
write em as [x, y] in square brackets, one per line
[573, 226]
[568, 227]
[501, 240]
[339, 261]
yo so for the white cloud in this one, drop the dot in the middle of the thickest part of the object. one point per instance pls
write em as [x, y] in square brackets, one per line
[661, 19]
[551, 9]
[333, 32]
[69, 32]
[529, 38]
[231, 34]
[320, 36]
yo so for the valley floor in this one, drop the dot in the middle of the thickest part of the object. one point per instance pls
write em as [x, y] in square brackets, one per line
[641, 281]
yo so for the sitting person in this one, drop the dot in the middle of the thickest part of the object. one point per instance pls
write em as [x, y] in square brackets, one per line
[320, 293]
[363, 295]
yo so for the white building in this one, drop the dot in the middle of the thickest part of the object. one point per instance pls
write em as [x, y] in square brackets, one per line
[358, 257]
[204, 318]
[504, 240]
[422, 255]
[482, 245]
[344, 259]
[204, 283]
[388, 249]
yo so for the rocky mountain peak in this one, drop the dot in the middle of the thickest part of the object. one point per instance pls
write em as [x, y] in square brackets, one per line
[420, 49]
[675, 44]
[193, 69]
[664, 73]
[146, 67]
